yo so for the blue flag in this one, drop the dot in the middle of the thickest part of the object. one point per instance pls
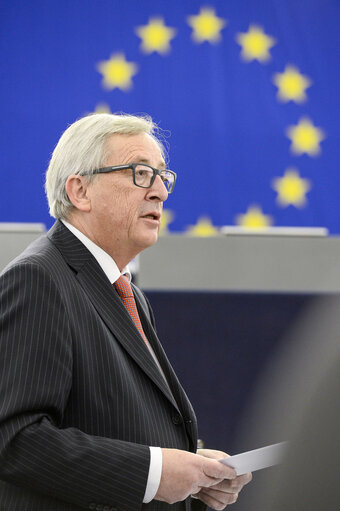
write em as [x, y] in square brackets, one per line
[247, 93]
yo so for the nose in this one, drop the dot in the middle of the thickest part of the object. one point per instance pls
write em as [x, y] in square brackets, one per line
[158, 191]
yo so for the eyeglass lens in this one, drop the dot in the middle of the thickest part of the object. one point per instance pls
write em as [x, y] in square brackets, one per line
[144, 176]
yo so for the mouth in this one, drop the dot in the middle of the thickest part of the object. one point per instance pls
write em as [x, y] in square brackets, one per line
[152, 216]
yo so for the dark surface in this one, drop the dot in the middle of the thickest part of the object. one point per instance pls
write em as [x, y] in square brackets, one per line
[260, 369]
[220, 344]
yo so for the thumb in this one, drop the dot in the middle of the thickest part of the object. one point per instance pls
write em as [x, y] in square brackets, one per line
[213, 468]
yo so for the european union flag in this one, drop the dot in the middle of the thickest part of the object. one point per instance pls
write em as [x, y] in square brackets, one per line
[246, 91]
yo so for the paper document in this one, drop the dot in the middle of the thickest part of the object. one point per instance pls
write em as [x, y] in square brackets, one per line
[257, 459]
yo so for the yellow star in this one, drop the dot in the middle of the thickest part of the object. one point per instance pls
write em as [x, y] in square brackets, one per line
[117, 72]
[155, 36]
[166, 219]
[102, 108]
[292, 85]
[254, 218]
[255, 44]
[206, 26]
[203, 228]
[291, 188]
[305, 137]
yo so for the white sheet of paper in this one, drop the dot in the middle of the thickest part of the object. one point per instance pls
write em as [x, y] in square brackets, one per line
[256, 459]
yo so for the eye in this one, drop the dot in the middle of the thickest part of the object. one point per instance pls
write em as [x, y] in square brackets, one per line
[142, 172]
[165, 176]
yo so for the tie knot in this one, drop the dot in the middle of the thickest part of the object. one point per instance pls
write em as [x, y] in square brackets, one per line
[123, 287]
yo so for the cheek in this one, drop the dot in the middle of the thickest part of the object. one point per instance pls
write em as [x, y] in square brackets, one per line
[124, 207]
[117, 207]
[100, 197]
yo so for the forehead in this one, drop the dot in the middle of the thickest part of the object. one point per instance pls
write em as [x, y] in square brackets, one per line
[133, 148]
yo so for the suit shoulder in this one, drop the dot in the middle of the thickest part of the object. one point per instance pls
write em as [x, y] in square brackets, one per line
[34, 278]
[39, 255]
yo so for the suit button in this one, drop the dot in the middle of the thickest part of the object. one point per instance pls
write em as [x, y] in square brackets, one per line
[177, 419]
[92, 506]
[99, 507]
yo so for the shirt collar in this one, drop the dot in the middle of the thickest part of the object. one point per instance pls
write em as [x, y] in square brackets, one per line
[105, 261]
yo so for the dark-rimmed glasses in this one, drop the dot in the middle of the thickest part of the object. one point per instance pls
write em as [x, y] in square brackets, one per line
[143, 175]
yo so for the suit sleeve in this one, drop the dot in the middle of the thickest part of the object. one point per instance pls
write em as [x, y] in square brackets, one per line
[35, 382]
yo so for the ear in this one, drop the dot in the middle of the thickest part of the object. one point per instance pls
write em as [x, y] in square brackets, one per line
[76, 188]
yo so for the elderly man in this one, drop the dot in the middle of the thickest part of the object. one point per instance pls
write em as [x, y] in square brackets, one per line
[92, 415]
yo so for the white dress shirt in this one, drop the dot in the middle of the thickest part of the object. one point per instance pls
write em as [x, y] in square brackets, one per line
[112, 272]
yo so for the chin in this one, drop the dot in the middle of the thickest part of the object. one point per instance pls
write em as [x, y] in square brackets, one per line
[148, 241]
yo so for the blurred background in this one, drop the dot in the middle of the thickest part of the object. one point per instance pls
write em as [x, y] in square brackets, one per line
[247, 93]
[247, 96]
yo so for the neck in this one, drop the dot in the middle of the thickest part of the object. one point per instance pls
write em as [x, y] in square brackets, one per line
[112, 246]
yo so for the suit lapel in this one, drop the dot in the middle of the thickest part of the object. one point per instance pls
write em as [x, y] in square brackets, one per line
[177, 390]
[106, 302]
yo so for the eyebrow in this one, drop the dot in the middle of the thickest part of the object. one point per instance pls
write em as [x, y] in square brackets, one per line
[162, 165]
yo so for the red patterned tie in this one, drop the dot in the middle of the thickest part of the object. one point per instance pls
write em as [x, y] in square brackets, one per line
[124, 290]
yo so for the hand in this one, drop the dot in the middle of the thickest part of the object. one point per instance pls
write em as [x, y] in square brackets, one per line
[185, 473]
[226, 492]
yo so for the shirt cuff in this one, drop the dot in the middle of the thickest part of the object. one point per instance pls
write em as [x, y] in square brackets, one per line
[155, 472]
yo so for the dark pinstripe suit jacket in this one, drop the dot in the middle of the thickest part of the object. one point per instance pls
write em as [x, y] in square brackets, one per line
[81, 398]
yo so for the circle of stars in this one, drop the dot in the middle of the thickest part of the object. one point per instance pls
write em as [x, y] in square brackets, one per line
[255, 44]
[155, 36]
[206, 26]
[117, 73]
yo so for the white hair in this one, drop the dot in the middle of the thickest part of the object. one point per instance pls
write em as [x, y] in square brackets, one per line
[83, 148]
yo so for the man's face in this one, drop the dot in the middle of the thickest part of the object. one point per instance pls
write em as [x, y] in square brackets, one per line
[125, 219]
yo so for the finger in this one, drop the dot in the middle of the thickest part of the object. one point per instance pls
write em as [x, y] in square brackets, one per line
[245, 478]
[234, 485]
[221, 496]
[212, 453]
[211, 502]
[215, 499]
[217, 470]
[207, 481]
[226, 485]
